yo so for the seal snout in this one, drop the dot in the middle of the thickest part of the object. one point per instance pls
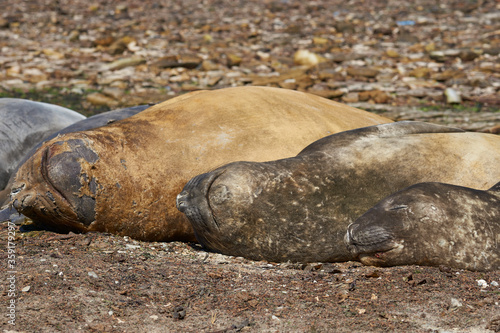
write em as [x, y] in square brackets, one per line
[193, 200]
[367, 238]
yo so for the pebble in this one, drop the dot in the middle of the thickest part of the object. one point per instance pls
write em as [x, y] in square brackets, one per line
[482, 283]
[455, 303]
[452, 96]
[398, 57]
[93, 274]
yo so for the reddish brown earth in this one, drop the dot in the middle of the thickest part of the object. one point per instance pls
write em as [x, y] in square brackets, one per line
[105, 283]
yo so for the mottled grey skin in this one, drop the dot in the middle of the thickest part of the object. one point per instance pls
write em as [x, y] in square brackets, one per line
[99, 120]
[298, 209]
[25, 123]
[431, 224]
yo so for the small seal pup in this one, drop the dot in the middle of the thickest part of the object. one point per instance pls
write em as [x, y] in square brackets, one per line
[298, 208]
[123, 178]
[24, 123]
[431, 224]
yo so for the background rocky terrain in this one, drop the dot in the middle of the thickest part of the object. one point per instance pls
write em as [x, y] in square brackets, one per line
[421, 60]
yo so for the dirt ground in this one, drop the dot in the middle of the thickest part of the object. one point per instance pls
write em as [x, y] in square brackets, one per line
[105, 283]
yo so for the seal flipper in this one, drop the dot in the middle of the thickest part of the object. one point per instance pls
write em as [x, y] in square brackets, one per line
[383, 131]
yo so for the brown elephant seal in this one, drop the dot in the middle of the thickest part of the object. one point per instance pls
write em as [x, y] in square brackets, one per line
[124, 178]
[431, 224]
[298, 209]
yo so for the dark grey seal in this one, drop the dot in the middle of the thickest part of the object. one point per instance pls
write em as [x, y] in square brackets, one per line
[298, 209]
[431, 224]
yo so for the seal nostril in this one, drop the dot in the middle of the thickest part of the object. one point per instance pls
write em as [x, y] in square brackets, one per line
[181, 201]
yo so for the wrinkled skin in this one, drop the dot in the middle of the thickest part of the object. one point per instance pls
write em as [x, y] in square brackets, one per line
[431, 224]
[298, 209]
[124, 178]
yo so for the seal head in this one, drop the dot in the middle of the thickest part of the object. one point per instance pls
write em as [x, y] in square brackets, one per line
[430, 224]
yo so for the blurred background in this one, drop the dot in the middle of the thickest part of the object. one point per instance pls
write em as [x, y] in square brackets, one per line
[408, 60]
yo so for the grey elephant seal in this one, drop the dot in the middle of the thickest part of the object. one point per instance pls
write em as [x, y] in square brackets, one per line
[123, 178]
[23, 124]
[431, 224]
[298, 208]
[99, 120]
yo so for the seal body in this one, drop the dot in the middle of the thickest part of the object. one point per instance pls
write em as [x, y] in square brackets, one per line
[298, 209]
[431, 224]
[24, 123]
[124, 178]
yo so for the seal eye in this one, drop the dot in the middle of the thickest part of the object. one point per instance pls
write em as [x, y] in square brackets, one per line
[399, 207]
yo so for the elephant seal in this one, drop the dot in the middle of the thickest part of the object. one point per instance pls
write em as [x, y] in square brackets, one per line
[298, 209]
[101, 119]
[124, 178]
[431, 224]
[24, 123]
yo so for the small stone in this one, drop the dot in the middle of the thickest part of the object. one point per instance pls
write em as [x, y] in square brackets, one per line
[100, 99]
[452, 96]
[494, 284]
[184, 61]
[362, 71]
[326, 93]
[125, 62]
[380, 97]
[306, 58]
[92, 274]
[352, 97]
[364, 96]
[120, 45]
[233, 60]
[320, 41]
[53, 54]
[113, 92]
[420, 72]
[179, 313]
[26, 289]
[208, 65]
[392, 53]
[438, 56]
[482, 283]
[468, 55]
[34, 75]
[455, 303]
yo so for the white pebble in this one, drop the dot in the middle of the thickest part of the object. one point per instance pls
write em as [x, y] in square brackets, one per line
[482, 283]
[494, 283]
